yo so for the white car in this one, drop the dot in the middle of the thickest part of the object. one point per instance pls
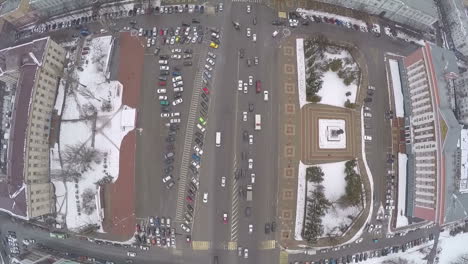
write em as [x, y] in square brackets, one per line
[196, 164]
[176, 114]
[265, 95]
[254, 37]
[202, 129]
[179, 89]
[240, 85]
[164, 114]
[366, 108]
[161, 91]
[252, 177]
[223, 181]
[179, 83]
[162, 97]
[250, 139]
[185, 228]
[244, 116]
[250, 228]
[367, 115]
[205, 197]
[198, 150]
[207, 67]
[248, 9]
[177, 79]
[250, 80]
[368, 138]
[131, 254]
[249, 33]
[250, 164]
[167, 178]
[176, 56]
[210, 61]
[246, 253]
[176, 50]
[163, 62]
[359, 240]
[212, 55]
[164, 68]
[245, 88]
[178, 101]
[174, 120]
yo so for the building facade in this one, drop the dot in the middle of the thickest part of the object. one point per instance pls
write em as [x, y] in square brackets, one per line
[40, 256]
[434, 134]
[419, 14]
[30, 73]
[457, 21]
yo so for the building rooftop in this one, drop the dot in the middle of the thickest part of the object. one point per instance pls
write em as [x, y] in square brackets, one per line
[8, 6]
[26, 59]
[427, 7]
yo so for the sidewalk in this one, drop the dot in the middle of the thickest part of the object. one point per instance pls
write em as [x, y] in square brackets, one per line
[297, 143]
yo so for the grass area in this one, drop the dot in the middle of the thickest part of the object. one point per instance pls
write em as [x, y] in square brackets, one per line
[443, 129]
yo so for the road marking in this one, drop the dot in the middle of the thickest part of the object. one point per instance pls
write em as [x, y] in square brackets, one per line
[268, 244]
[188, 142]
[234, 209]
[201, 245]
[248, 1]
[283, 258]
[232, 245]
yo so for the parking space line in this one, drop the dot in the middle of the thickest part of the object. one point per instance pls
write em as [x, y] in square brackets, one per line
[188, 142]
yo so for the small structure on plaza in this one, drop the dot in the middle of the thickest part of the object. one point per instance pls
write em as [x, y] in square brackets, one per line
[332, 133]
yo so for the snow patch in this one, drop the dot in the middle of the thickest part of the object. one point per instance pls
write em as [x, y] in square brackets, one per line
[452, 247]
[300, 204]
[396, 85]
[305, 12]
[401, 220]
[327, 138]
[334, 90]
[301, 83]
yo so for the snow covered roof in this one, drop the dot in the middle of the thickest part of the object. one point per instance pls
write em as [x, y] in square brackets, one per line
[427, 7]
[463, 143]
[128, 117]
[25, 59]
[8, 6]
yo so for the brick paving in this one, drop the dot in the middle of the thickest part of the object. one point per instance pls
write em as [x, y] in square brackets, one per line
[119, 197]
[298, 141]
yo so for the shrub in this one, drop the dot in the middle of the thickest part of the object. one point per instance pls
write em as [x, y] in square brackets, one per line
[314, 174]
[335, 65]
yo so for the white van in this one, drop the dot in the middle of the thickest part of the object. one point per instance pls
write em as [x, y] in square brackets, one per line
[218, 139]
[265, 95]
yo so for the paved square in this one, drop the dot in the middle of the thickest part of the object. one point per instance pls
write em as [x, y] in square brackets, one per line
[289, 69]
[288, 51]
[311, 153]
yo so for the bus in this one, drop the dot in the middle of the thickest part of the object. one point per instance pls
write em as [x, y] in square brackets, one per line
[258, 122]
[58, 235]
[218, 139]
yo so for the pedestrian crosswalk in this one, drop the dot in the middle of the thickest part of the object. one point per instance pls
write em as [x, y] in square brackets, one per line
[283, 257]
[232, 245]
[201, 245]
[268, 244]
[234, 207]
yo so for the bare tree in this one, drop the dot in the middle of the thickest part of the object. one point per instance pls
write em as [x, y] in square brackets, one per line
[78, 158]
[86, 93]
[463, 259]
[88, 201]
[396, 261]
[65, 175]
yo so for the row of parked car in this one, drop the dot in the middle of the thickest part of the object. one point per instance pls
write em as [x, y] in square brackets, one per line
[171, 36]
[156, 232]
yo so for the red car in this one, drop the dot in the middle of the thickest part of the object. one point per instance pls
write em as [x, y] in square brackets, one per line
[206, 91]
[153, 241]
[138, 228]
[162, 83]
[189, 199]
[161, 32]
[258, 86]
[225, 218]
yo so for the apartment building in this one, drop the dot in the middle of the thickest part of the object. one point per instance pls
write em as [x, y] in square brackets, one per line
[457, 21]
[435, 134]
[29, 74]
[38, 255]
[419, 14]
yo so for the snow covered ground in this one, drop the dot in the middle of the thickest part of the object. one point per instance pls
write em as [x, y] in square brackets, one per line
[396, 84]
[309, 13]
[301, 83]
[325, 128]
[300, 205]
[414, 255]
[102, 132]
[452, 247]
[402, 220]
[334, 187]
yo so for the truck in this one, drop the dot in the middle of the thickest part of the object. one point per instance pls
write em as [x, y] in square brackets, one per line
[249, 193]
[218, 139]
[258, 122]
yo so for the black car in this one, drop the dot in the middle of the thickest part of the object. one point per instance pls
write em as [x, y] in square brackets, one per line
[188, 51]
[162, 78]
[177, 95]
[367, 99]
[245, 135]
[170, 139]
[200, 39]
[199, 135]
[199, 142]
[203, 112]
[254, 21]
[187, 63]
[248, 211]
[164, 57]
[202, 9]
[273, 226]
[164, 73]
[193, 169]
[204, 105]
[195, 21]
[251, 107]
[168, 169]
[205, 97]
[190, 208]
[241, 53]
[267, 228]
